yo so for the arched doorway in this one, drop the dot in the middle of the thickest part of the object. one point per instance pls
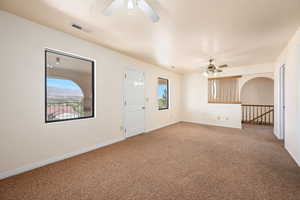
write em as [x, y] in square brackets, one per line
[257, 98]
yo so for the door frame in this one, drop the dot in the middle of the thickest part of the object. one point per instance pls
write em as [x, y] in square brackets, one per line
[124, 95]
[282, 101]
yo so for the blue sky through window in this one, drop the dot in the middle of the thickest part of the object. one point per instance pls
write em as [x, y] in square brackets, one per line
[161, 89]
[61, 83]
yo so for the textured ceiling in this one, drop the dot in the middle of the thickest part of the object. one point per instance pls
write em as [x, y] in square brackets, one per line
[236, 32]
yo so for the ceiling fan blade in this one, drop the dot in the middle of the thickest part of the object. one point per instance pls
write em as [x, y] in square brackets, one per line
[218, 70]
[113, 5]
[223, 66]
[146, 8]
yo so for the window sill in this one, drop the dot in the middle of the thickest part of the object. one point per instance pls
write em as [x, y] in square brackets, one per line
[224, 102]
[163, 109]
[71, 119]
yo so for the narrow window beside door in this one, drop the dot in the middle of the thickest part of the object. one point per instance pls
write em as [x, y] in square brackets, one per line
[163, 94]
[69, 83]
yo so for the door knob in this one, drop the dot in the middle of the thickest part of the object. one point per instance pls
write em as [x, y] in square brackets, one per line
[143, 107]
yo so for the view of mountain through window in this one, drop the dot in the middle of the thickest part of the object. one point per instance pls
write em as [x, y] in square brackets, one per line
[69, 87]
[163, 94]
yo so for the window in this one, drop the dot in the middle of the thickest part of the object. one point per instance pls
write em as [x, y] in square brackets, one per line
[163, 94]
[69, 82]
[224, 90]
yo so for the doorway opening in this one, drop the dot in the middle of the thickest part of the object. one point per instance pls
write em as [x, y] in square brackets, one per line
[257, 98]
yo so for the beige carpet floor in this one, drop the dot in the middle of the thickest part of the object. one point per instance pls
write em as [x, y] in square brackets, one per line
[184, 161]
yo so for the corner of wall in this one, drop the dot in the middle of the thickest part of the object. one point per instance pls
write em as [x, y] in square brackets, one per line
[295, 158]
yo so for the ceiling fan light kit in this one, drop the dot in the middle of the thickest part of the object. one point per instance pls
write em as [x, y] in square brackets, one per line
[132, 4]
[212, 69]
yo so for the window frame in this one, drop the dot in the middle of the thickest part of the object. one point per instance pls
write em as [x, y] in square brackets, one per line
[168, 98]
[45, 84]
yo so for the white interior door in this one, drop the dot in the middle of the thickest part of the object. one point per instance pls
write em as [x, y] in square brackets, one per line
[281, 101]
[134, 103]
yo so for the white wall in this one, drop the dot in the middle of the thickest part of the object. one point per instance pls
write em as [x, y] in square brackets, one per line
[197, 110]
[258, 91]
[291, 58]
[25, 140]
[195, 106]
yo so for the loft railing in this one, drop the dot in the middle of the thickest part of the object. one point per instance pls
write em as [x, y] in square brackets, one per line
[65, 110]
[258, 114]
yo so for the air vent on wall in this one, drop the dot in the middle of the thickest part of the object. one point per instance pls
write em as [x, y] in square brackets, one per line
[77, 26]
[80, 28]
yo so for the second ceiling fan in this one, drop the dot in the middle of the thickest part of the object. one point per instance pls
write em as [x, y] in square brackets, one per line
[131, 4]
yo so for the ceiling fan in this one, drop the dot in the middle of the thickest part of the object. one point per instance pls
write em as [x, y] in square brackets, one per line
[213, 69]
[131, 4]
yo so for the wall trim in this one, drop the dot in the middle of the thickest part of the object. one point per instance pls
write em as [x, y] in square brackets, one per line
[35, 165]
[215, 124]
[293, 156]
[163, 126]
[39, 164]
[276, 135]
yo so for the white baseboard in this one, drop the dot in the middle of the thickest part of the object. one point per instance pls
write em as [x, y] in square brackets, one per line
[65, 156]
[162, 126]
[293, 156]
[213, 124]
[53, 160]
[277, 136]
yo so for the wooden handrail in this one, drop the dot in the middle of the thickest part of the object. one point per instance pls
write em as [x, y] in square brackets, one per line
[224, 102]
[224, 77]
[258, 105]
